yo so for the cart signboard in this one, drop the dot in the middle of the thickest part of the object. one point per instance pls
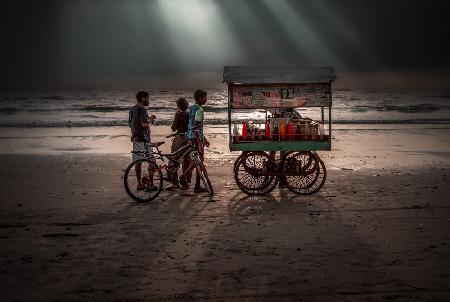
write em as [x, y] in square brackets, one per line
[280, 96]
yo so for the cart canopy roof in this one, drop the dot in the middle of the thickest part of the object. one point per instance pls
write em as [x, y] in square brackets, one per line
[277, 75]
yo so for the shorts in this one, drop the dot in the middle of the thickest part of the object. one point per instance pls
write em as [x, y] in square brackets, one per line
[145, 151]
[178, 143]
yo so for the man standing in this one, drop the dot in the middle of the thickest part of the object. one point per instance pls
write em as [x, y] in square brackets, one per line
[139, 122]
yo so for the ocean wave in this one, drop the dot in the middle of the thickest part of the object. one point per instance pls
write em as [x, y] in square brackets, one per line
[101, 108]
[14, 98]
[13, 110]
[51, 97]
[96, 108]
[9, 110]
[442, 96]
[114, 123]
[420, 108]
[393, 121]
[215, 108]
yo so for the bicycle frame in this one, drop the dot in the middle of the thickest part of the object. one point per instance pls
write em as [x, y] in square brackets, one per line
[184, 151]
[171, 168]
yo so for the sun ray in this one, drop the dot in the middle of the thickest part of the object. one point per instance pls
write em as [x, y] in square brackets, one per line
[343, 29]
[198, 33]
[303, 34]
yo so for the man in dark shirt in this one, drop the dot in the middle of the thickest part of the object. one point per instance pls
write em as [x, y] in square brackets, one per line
[139, 122]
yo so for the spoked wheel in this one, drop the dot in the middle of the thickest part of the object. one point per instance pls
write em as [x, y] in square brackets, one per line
[203, 173]
[304, 173]
[251, 172]
[151, 180]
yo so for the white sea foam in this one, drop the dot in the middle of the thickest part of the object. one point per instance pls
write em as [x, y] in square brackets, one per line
[103, 108]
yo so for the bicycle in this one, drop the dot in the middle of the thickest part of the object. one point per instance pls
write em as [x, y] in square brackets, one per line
[152, 180]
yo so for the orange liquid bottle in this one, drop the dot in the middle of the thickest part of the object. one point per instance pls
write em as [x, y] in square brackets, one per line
[282, 131]
[244, 131]
[267, 130]
[291, 131]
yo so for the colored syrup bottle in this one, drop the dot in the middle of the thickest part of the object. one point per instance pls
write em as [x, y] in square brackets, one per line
[252, 133]
[298, 133]
[282, 131]
[275, 133]
[321, 132]
[244, 131]
[235, 133]
[291, 131]
[267, 131]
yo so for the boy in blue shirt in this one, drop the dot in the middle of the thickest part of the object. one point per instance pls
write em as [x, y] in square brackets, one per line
[196, 136]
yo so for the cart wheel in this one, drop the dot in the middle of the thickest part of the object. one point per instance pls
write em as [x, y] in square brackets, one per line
[304, 173]
[251, 173]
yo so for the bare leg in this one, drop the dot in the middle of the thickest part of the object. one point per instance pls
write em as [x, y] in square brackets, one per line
[138, 169]
[186, 165]
[197, 174]
[151, 173]
[197, 178]
[188, 170]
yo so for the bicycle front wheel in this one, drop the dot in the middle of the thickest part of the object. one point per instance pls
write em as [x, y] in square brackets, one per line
[143, 180]
[203, 173]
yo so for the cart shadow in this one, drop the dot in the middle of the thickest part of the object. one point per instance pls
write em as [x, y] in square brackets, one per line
[282, 245]
[242, 204]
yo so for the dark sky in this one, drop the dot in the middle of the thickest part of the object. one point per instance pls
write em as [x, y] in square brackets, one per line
[95, 43]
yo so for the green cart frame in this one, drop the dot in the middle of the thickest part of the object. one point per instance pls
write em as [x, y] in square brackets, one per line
[257, 171]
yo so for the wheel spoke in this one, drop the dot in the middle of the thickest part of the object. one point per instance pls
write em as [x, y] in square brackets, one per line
[306, 171]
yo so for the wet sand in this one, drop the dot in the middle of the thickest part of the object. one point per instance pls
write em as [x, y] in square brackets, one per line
[375, 232]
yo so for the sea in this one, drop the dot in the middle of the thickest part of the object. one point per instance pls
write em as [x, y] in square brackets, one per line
[109, 107]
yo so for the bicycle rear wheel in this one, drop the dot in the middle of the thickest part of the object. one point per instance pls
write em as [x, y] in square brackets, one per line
[143, 180]
[203, 173]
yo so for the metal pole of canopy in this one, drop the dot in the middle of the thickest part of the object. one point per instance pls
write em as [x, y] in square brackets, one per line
[229, 115]
[329, 117]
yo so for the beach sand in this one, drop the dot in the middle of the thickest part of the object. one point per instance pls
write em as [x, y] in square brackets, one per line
[379, 230]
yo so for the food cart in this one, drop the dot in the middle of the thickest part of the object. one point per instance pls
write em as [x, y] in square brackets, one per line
[279, 109]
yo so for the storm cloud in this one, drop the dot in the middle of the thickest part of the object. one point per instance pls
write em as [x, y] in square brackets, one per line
[62, 41]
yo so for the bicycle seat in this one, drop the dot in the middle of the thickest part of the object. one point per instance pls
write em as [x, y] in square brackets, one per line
[158, 143]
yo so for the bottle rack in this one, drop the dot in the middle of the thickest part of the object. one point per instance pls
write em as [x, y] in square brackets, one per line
[278, 130]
